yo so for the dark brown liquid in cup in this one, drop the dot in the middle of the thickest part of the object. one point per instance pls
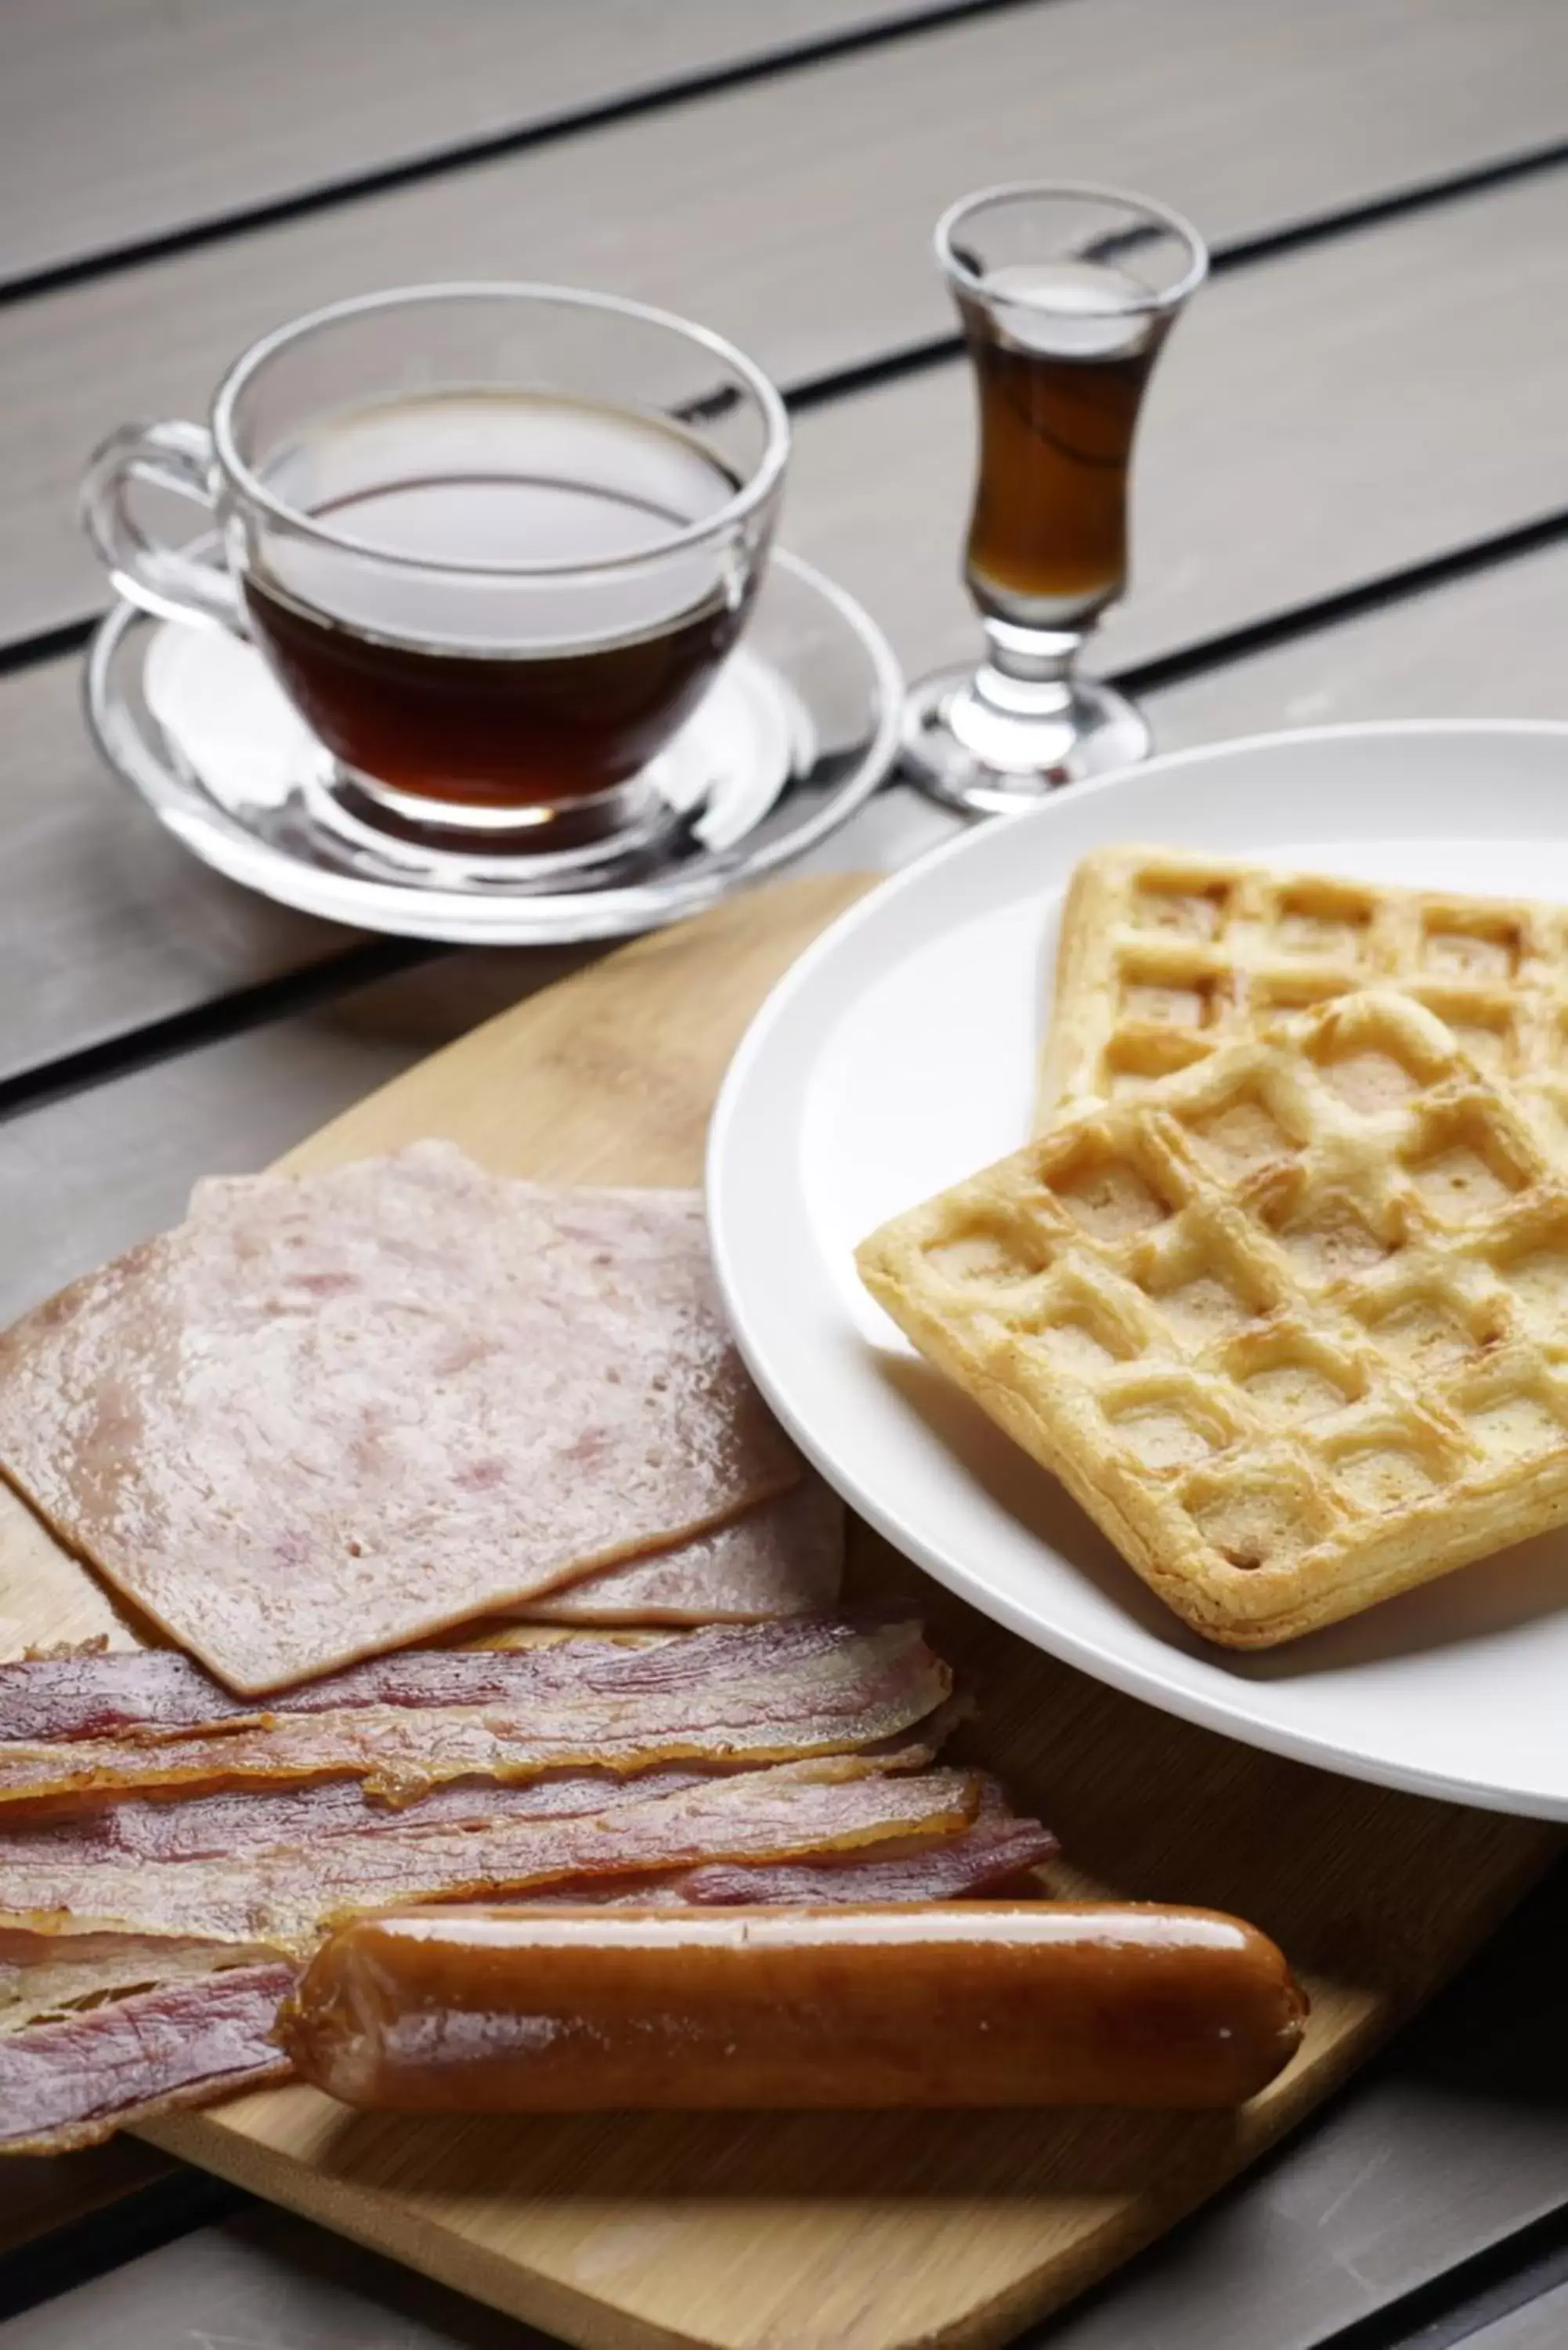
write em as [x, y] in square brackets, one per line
[515, 725]
[1048, 536]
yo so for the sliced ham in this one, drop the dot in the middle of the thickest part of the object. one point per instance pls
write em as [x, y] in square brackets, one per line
[785, 1558]
[754, 1694]
[284, 1900]
[335, 1413]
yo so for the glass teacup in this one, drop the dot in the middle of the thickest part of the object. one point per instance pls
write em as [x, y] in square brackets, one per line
[493, 540]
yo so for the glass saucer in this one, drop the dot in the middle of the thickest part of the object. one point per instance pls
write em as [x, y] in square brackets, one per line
[798, 729]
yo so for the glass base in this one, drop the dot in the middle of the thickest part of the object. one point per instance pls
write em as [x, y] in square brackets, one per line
[558, 844]
[971, 753]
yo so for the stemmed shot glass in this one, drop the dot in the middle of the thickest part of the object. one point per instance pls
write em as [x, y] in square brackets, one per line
[1066, 293]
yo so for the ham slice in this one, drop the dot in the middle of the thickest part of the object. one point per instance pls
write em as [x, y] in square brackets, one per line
[332, 1414]
[282, 1900]
[785, 1558]
[741, 1694]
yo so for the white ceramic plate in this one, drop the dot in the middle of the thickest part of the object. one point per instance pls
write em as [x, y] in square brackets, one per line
[899, 1054]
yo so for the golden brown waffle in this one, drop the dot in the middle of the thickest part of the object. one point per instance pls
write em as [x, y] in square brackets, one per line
[1164, 957]
[1293, 1327]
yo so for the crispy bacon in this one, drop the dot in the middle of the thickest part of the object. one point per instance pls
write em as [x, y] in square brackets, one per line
[203, 1827]
[99, 1691]
[992, 1851]
[74, 2078]
[171, 1824]
[284, 1900]
[995, 1850]
[762, 1693]
[154, 1693]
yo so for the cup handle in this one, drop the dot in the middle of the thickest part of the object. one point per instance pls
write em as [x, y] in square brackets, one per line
[166, 580]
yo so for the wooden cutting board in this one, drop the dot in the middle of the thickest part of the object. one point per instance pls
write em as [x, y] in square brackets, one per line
[860, 2232]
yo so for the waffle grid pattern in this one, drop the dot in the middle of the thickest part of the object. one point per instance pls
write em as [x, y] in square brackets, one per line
[1295, 1330]
[1164, 958]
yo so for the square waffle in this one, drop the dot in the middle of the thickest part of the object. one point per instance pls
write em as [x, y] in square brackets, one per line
[1292, 1327]
[1166, 957]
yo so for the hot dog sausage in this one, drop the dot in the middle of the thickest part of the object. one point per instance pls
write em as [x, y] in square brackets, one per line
[967, 2003]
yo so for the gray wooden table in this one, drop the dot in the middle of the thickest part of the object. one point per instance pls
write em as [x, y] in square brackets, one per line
[1353, 503]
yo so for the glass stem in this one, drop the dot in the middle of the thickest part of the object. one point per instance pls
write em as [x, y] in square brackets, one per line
[1027, 673]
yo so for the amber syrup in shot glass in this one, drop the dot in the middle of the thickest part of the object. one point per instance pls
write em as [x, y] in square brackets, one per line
[1066, 295]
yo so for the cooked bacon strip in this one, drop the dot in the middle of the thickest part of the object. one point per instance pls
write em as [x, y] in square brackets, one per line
[159, 1693]
[151, 1694]
[995, 1850]
[205, 1827]
[177, 1826]
[786, 1557]
[992, 1852]
[337, 1412]
[284, 1900]
[174, 1825]
[44, 1975]
[763, 1694]
[71, 2081]
[99, 1691]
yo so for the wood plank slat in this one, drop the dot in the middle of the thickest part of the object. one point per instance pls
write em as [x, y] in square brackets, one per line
[82, 1177]
[1486, 647]
[105, 923]
[1450, 2144]
[123, 121]
[795, 214]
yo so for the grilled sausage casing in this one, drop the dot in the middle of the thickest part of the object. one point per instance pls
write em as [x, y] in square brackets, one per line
[968, 2004]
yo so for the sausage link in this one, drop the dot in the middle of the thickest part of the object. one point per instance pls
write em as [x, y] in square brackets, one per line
[966, 2003]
